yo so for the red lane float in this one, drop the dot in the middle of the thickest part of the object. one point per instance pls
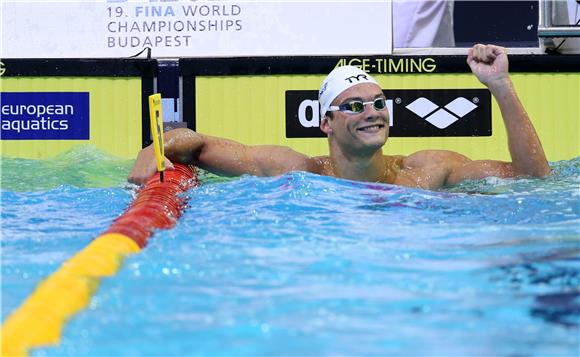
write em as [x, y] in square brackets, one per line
[158, 205]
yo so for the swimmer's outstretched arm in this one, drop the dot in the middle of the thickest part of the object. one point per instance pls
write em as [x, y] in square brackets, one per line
[220, 156]
[490, 65]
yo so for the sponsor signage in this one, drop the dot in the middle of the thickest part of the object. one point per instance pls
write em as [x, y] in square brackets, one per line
[193, 28]
[44, 116]
[412, 112]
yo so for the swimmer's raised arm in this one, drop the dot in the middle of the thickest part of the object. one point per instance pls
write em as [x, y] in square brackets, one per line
[490, 65]
[220, 156]
[438, 168]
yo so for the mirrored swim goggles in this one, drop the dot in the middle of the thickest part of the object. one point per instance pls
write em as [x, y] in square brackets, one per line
[358, 106]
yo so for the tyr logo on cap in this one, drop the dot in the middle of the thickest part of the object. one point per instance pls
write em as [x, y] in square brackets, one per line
[339, 80]
[357, 78]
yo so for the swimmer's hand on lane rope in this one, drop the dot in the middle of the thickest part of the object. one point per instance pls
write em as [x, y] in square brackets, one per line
[146, 166]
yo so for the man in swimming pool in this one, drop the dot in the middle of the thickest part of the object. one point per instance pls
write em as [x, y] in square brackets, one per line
[355, 119]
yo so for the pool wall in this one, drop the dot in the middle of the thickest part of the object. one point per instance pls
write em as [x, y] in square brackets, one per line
[255, 101]
[118, 119]
[273, 100]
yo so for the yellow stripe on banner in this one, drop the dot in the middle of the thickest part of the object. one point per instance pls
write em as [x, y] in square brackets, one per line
[39, 320]
[256, 113]
[115, 115]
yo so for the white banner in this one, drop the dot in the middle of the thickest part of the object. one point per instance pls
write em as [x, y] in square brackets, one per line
[180, 28]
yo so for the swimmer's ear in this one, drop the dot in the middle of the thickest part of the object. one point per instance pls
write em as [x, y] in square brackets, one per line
[325, 125]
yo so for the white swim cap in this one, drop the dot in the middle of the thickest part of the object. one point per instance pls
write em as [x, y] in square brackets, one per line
[339, 80]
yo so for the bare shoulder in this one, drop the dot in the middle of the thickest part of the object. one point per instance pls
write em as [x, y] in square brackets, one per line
[395, 160]
[428, 169]
[321, 165]
[425, 158]
[442, 167]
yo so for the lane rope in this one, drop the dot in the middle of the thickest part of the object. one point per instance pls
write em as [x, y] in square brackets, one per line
[41, 317]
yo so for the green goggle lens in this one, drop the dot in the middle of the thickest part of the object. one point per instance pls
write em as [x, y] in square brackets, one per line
[357, 106]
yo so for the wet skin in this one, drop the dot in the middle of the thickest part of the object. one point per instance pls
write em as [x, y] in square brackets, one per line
[356, 141]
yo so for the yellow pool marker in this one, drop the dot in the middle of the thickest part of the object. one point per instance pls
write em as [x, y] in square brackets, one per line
[40, 319]
[156, 118]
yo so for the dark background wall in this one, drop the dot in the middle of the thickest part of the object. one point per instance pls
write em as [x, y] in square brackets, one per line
[505, 23]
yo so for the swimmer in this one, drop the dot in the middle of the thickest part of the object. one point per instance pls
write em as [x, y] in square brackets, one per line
[355, 119]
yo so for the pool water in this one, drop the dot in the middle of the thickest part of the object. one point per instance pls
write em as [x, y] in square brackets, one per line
[307, 265]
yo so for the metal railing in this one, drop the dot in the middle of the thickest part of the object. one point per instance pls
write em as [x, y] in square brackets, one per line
[546, 27]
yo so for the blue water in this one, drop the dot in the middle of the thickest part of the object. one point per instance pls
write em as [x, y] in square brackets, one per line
[308, 265]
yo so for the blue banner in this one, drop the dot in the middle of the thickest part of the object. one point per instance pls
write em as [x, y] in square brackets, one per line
[44, 116]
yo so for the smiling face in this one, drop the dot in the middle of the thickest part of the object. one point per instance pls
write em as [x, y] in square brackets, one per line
[364, 132]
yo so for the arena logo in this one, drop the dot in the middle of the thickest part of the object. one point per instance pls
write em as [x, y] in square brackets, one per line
[441, 117]
[412, 112]
[44, 116]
